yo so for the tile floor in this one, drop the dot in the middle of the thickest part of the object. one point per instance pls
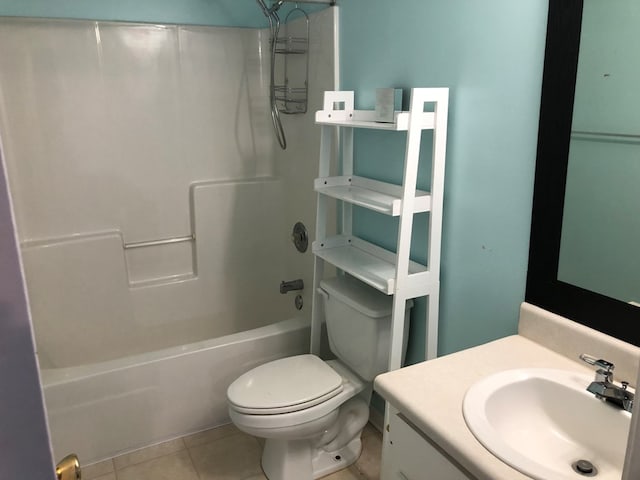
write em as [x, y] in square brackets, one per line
[223, 453]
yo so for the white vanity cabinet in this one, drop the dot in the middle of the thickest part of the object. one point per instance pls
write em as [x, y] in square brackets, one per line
[408, 454]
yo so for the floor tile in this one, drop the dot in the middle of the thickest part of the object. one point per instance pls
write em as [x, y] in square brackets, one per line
[175, 466]
[210, 435]
[230, 458]
[222, 453]
[108, 476]
[148, 453]
[91, 472]
[350, 473]
[370, 430]
[369, 462]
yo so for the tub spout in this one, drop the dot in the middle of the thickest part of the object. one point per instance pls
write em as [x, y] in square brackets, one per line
[291, 285]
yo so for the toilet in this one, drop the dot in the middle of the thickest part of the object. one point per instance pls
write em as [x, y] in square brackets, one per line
[311, 412]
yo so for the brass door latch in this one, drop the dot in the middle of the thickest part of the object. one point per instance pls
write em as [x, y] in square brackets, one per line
[69, 468]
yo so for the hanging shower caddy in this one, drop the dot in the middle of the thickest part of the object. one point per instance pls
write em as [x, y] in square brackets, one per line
[291, 93]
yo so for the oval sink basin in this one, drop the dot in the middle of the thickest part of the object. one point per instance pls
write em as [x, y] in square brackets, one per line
[542, 421]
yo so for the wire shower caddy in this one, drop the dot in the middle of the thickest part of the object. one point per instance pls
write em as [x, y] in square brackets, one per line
[291, 94]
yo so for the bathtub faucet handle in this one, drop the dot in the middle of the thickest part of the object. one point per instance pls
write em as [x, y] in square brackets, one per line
[291, 285]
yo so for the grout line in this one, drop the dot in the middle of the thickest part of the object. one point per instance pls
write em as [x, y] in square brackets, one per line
[179, 441]
[94, 477]
[230, 433]
[193, 464]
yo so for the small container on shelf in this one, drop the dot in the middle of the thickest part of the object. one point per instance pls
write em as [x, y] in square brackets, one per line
[388, 101]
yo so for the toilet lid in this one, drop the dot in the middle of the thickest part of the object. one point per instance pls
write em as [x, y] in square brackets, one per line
[284, 385]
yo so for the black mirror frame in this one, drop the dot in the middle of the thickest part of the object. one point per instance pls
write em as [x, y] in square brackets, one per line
[610, 316]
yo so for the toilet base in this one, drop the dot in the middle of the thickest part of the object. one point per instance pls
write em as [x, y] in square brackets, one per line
[286, 459]
[292, 460]
[326, 463]
[336, 446]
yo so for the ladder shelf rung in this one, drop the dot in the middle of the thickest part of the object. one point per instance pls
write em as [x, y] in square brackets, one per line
[380, 197]
[369, 263]
[367, 119]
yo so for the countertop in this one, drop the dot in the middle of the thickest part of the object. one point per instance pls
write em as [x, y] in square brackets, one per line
[430, 395]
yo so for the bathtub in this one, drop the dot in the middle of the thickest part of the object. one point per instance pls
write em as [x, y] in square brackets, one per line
[108, 408]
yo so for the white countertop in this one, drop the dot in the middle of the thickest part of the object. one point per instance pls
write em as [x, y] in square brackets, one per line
[430, 395]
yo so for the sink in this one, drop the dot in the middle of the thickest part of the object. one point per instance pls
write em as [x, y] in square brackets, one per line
[542, 421]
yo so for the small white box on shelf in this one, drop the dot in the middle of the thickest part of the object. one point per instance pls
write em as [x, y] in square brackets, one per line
[388, 101]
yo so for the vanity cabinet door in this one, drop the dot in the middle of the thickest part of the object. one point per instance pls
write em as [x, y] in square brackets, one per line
[409, 455]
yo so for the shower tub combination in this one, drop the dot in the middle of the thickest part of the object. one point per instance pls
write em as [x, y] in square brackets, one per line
[154, 280]
[128, 364]
[101, 410]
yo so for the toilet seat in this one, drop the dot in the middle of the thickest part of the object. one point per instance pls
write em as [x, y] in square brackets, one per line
[284, 386]
[351, 385]
[287, 408]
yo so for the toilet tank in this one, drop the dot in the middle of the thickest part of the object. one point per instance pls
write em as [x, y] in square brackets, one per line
[358, 321]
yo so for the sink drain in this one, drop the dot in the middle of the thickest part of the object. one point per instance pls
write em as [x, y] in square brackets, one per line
[585, 468]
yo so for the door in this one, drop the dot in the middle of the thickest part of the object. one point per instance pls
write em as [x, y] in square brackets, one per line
[25, 451]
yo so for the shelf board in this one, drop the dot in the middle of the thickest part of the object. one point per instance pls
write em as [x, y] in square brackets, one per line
[369, 263]
[381, 197]
[366, 119]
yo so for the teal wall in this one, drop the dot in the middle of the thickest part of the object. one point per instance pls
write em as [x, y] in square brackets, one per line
[236, 13]
[490, 54]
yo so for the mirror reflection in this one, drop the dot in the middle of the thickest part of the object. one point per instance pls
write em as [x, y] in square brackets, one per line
[600, 246]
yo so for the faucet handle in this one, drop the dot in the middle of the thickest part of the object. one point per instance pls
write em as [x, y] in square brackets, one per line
[604, 373]
[598, 362]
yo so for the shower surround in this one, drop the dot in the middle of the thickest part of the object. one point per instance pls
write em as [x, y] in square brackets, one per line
[154, 213]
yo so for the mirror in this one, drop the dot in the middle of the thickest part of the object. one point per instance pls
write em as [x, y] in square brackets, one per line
[563, 234]
[600, 225]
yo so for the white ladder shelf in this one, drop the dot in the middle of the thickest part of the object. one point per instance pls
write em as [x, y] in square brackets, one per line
[391, 273]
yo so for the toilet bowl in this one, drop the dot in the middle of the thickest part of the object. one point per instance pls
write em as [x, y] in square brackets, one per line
[309, 411]
[309, 432]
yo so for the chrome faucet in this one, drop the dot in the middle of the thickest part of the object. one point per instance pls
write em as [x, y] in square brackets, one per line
[291, 285]
[604, 388]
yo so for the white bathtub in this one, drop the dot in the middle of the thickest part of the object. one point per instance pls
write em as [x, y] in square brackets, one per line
[107, 408]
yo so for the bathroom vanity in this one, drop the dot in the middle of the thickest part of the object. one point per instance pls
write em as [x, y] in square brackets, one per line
[427, 437]
[410, 454]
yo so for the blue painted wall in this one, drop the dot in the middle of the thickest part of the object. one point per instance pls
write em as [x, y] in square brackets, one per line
[235, 13]
[490, 54]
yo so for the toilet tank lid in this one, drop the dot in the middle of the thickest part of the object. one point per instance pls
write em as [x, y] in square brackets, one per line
[367, 300]
[286, 382]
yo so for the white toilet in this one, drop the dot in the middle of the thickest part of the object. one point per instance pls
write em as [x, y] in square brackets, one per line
[311, 412]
